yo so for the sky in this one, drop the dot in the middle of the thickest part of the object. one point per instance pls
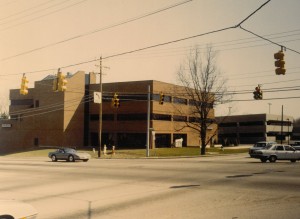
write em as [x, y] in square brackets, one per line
[39, 36]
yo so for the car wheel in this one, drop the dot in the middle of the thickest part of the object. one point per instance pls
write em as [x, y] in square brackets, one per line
[263, 160]
[53, 158]
[71, 158]
[273, 159]
[293, 160]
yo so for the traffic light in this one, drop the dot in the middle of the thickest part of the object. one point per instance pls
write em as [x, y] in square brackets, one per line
[24, 86]
[161, 98]
[279, 63]
[115, 101]
[258, 94]
[61, 81]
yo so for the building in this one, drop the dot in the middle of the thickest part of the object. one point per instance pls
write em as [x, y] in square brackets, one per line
[71, 118]
[246, 129]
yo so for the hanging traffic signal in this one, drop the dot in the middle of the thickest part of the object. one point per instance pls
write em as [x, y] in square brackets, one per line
[115, 101]
[161, 98]
[24, 86]
[61, 81]
[258, 94]
[279, 63]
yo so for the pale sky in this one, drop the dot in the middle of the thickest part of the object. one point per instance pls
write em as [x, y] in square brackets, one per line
[65, 32]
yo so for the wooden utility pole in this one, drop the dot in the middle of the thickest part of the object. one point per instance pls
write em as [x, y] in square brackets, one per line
[100, 110]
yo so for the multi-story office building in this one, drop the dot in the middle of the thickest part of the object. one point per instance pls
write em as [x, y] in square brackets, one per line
[247, 129]
[71, 118]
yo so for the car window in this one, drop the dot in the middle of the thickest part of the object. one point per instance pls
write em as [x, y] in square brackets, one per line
[70, 151]
[288, 148]
[279, 148]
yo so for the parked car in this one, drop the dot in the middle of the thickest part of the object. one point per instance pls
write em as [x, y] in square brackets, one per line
[260, 145]
[277, 152]
[68, 154]
[296, 145]
[12, 209]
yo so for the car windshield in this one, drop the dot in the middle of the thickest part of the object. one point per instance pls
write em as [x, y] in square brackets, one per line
[268, 146]
[260, 145]
[70, 150]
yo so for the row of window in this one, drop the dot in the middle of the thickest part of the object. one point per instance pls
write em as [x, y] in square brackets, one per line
[255, 134]
[143, 117]
[156, 97]
[255, 123]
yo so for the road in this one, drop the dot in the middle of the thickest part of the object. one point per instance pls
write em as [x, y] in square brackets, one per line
[230, 186]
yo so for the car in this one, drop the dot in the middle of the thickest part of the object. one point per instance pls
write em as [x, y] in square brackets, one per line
[260, 145]
[13, 209]
[277, 152]
[296, 145]
[68, 154]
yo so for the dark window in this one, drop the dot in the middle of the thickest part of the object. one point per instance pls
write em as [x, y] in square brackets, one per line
[258, 134]
[278, 123]
[94, 117]
[133, 97]
[157, 98]
[21, 102]
[228, 124]
[179, 118]
[36, 142]
[161, 117]
[194, 119]
[131, 117]
[179, 100]
[279, 148]
[252, 123]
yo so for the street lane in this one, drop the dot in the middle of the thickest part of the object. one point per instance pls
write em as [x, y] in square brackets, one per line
[231, 186]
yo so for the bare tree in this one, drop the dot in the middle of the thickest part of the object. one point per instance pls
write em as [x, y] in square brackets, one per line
[204, 88]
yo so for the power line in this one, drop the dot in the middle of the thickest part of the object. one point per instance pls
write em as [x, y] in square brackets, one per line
[52, 12]
[100, 29]
[269, 40]
[28, 9]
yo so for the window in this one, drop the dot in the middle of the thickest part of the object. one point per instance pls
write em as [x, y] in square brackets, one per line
[161, 117]
[279, 148]
[131, 117]
[21, 102]
[178, 100]
[179, 118]
[252, 123]
[278, 123]
[228, 124]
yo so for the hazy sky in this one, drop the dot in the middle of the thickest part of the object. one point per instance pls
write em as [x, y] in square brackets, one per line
[48, 34]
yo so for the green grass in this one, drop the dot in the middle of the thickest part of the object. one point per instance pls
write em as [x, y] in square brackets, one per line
[139, 153]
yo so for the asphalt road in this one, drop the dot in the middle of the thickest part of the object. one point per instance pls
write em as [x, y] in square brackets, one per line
[231, 186]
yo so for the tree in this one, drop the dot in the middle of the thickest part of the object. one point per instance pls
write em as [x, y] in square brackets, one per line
[204, 87]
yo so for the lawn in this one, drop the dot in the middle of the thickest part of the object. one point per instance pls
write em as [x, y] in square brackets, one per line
[140, 153]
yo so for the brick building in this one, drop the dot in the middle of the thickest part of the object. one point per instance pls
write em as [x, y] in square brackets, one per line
[71, 118]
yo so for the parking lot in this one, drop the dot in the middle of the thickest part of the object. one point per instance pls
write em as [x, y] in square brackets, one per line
[228, 186]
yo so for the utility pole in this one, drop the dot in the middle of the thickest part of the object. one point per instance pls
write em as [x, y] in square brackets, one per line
[281, 125]
[270, 107]
[100, 110]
